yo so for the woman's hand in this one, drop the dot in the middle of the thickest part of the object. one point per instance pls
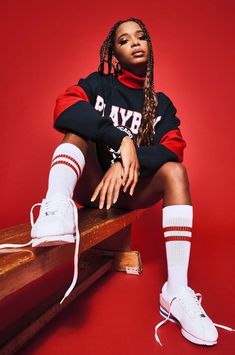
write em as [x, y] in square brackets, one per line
[130, 164]
[109, 187]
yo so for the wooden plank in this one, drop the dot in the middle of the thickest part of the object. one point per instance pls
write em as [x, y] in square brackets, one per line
[18, 334]
[128, 260]
[113, 221]
[21, 268]
[119, 241]
[91, 224]
[123, 259]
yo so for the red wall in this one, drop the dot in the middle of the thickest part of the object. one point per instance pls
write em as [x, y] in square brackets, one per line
[48, 45]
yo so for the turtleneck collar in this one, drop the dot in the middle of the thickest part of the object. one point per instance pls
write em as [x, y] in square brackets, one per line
[131, 80]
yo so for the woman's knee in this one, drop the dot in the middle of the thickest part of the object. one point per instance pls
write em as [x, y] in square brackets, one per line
[78, 141]
[172, 171]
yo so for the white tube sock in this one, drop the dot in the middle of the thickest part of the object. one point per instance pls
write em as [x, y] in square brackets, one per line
[177, 227]
[67, 165]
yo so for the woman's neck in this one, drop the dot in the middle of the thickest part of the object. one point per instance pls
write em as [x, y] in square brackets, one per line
[131, 80]
[139, 71]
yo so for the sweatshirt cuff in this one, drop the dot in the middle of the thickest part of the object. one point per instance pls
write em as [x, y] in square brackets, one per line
[112, 137]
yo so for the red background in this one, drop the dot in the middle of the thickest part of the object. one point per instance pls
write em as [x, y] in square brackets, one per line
[48, 45]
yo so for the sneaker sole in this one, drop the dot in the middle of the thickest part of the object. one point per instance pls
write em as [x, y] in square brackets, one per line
[186, 334]
[52, 241]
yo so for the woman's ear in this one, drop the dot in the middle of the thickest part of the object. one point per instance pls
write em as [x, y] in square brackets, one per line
[116, 64]
[115, 60]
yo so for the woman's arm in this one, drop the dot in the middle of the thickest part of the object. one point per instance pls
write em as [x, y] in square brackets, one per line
[74, 113]
[169, 149]
[168, 141]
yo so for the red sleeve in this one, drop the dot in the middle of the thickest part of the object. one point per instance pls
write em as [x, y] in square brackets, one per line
[174, 141]
[72, 95]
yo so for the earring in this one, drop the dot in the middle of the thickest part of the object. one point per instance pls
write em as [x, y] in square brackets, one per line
[117, 67]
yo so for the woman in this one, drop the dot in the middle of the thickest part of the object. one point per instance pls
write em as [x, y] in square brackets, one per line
[129, 137]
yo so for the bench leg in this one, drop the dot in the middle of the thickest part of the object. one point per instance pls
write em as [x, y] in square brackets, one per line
[119, 247]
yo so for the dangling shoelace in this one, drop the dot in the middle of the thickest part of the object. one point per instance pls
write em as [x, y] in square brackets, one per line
[194, 310]
[76, 252]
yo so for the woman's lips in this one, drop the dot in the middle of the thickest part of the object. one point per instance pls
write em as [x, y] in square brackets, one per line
[137, 52]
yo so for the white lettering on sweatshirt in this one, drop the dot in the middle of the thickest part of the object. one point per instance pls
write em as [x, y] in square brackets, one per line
[121, 116]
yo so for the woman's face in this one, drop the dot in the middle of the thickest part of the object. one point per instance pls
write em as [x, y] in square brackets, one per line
[131, 47]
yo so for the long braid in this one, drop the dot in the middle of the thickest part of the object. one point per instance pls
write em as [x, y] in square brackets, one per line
[146, 130]
[106, 50]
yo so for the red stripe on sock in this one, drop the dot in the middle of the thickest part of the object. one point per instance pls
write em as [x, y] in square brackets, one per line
[65, 163]
[177, 228]
[178, 237]
[68, 157]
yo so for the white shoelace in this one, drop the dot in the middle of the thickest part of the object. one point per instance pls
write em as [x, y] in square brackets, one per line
[50, 207]
[195, 307]
[77, 243]
[76, 252]
[8, 245]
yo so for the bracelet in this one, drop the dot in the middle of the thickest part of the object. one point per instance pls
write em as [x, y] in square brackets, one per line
[118, 158]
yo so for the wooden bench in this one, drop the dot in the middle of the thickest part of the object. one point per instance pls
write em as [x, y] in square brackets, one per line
[105, 245]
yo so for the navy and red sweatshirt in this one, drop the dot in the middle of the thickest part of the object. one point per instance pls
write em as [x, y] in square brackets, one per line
[106, 108]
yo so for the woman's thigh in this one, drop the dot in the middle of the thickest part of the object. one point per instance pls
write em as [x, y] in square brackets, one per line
[91, 176]
[148, 192]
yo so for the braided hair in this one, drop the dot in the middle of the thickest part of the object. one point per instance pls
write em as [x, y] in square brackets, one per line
[146, 130]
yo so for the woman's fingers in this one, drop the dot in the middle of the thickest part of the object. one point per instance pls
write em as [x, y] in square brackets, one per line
[108, 189]
[129, 179]
[103, 193]
[116, 191]
[112, 191]
[101, 190]
[132, 180]
[136, 176]
[109, 192]
[97, 191]
[126, 171]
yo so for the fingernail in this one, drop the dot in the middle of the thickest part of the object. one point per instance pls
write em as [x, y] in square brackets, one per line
[92, 199]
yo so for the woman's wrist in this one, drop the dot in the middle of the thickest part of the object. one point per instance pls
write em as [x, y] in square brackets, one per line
[124, 139]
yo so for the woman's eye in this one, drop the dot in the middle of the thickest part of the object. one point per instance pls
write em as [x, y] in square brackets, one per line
[143, 37]
[123, 41]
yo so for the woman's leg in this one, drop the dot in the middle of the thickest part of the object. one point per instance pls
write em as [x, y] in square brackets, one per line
[169, 183]
[56, 221]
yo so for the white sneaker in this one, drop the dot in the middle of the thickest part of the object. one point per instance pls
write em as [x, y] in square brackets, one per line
[56, 222]
[185, 309]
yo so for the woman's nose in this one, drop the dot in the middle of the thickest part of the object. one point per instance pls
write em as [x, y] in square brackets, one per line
[135, 42]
